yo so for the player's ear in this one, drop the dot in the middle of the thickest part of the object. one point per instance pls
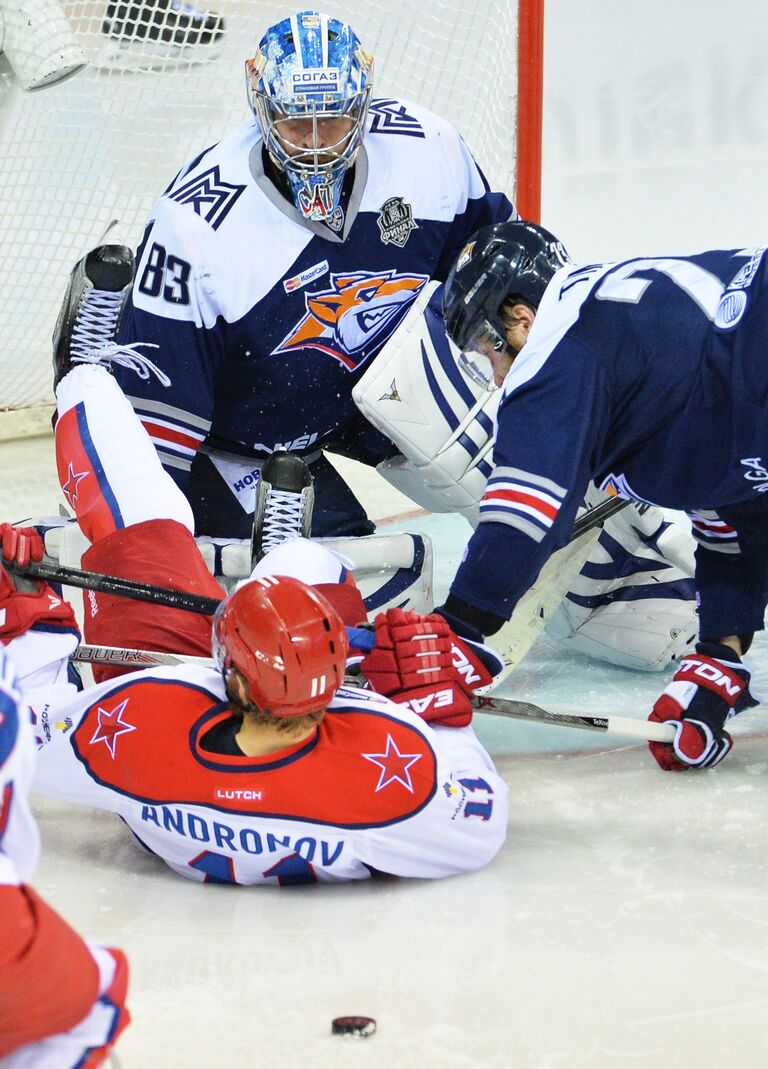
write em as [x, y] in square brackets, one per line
[237, 689]
[521, 311]
[517, 319]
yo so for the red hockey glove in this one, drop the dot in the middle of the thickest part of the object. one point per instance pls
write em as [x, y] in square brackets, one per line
[20, 545]
[477, 665]
[37, 603]
[709, 687]
[412, 663]
[19, 611]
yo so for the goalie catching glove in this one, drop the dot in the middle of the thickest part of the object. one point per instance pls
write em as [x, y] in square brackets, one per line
[709, 687]
[419, 662]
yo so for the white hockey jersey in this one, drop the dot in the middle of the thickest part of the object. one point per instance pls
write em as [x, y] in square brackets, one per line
[374, 790]
[263, 321]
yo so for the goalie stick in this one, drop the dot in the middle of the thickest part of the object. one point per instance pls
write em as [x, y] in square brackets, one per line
[179, 599]
[535, 608]
[625, 727]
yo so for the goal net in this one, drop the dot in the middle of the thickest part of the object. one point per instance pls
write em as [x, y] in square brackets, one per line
[155, 88]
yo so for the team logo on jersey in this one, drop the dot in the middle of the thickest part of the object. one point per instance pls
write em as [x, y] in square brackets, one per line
[730, 309]
[70, 487]
[211, 198]
[394, 766]
[111, 726]
[355, 314]
[396, 222]
[295, 283]
[390, 117]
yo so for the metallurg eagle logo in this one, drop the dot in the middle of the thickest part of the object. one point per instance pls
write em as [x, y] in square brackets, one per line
[356, 313]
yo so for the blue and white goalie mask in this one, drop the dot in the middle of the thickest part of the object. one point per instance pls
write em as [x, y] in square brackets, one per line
[308, 86]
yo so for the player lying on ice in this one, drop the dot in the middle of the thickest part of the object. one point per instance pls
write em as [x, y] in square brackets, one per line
[648, 376]
[267, 770]
[62, 1000]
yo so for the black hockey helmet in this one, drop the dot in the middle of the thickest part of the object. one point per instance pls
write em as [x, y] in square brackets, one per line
[513, 259]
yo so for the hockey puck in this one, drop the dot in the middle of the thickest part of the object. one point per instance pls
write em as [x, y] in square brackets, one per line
[353, 1026]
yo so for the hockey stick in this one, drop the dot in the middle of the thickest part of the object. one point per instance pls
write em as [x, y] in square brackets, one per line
[628, 727]
[534, 610]
[132, 658]
[613, 725]
[111, 584]
[597, 516]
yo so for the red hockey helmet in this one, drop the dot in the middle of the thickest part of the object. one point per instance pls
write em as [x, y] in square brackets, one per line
[286, 640]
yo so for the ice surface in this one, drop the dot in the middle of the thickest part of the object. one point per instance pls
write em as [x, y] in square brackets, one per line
[623, 924]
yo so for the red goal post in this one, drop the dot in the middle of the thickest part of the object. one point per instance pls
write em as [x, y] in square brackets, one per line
[102, 144]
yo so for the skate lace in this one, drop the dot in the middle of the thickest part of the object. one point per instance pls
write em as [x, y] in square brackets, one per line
[283, 518]
[92, 335]
[96, 321]
[126, 356]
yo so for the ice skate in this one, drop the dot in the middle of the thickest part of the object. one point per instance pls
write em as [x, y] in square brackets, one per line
[284, 501]
[87, 324]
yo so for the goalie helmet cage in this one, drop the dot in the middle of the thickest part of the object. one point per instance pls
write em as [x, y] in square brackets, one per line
[158, 87]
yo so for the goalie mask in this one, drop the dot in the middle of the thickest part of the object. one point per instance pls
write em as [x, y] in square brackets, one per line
[308, 86]
[506, 260]
[285, 640]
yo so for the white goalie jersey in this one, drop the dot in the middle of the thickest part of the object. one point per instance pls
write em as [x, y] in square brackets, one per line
[633, 603]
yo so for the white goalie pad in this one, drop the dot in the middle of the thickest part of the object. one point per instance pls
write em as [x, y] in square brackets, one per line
[389, 569]
[634, 602]
[418, 394]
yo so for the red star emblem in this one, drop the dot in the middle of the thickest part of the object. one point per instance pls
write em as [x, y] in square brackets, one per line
[70, 487]
[111, 726]
[394, 765]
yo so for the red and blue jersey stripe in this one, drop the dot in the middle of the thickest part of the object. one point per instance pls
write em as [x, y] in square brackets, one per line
[523, 500]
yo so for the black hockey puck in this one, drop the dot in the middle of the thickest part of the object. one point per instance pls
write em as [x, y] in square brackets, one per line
[353, 1026]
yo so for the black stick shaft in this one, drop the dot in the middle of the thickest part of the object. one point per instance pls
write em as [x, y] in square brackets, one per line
[127, 588]
[527, 711]
[598, 515]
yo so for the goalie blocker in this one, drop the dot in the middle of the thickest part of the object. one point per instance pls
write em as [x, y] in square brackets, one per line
[633, 603]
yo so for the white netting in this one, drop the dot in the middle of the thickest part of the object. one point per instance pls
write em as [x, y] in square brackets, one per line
[103, 144]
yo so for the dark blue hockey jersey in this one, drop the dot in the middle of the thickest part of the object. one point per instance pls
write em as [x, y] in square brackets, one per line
[649, 376]
[264, 321]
